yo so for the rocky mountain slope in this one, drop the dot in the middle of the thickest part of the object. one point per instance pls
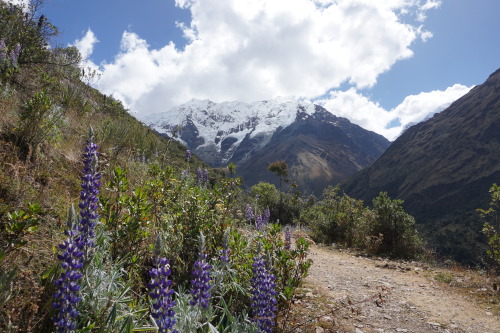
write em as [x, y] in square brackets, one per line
[443, 168]
[319, 147]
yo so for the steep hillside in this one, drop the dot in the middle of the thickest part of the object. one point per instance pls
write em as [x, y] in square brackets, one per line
[443, 169]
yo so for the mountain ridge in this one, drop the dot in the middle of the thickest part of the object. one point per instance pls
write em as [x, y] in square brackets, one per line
[443, 168]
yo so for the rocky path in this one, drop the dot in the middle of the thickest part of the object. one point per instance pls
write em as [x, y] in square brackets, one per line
[362, 295]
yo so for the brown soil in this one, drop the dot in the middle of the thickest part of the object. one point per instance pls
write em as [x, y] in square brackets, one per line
[348, 293]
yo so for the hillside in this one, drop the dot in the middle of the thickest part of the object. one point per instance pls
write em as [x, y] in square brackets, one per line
[443, 168]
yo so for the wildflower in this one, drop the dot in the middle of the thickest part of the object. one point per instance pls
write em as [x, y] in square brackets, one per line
[205, 176]
[67, 284]
[263, 295]
[267, 216]
[249, 212]
[14, 54]
[288, 238]
[224, 253]
[160, 292]
[199, 176]
[88, 195]
[201, 282]
[259, 223]
[188, 155]
[3, 50]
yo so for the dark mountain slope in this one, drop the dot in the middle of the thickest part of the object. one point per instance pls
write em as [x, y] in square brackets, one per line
[443, 167]
[320, 149]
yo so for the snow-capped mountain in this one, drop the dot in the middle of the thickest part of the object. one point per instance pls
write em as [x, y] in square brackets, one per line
[216, 131]
[319, 148]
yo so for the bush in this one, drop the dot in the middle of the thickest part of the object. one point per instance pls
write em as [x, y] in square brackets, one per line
[400, 238]
[491, 229]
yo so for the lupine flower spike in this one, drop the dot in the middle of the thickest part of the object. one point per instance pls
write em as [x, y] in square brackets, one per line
[88, 195]
[199, 176]
[14, 55]
[67, 284]
[249, 213]
[201, 281]
[267, 217]
[224, 253]
[288, 238]
[205, 176]
[258, 222]
[263, 295]
[188, 155]
[3, 51]
[160, 292]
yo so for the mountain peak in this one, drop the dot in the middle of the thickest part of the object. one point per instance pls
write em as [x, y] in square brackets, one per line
[262, 132]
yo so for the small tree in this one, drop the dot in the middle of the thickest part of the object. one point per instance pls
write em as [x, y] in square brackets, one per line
[280, 169]
[400, 238]
[491, 227]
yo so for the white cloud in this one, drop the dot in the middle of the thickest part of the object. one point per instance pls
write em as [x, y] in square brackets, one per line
[414, 108]
[86, 44]
[24, 4]
[257, 49]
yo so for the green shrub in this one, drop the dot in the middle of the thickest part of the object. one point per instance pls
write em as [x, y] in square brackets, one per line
[338, 219]
[400, 238]
[491, 228]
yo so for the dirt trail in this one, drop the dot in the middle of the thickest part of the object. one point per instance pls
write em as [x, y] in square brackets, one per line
[378, 296]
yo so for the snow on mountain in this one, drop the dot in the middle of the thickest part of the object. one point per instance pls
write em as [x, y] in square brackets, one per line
[215, 130]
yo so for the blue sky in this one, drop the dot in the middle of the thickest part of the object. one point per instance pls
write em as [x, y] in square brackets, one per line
[384, 64]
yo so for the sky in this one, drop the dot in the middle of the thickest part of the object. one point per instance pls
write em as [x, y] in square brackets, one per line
[383, 64]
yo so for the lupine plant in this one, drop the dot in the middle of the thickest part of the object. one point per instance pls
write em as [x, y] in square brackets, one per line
[160, 292]
[249, 213]
[3, 51]
[67, 285]
[89, 195]
[201, 278]
[259, 224]
[266, 217]
[263, 295]
[288, 238]
[224, 253]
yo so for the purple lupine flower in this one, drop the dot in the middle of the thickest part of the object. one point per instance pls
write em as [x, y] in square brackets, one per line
[267, 216]
[288, 238]
[263, 295]
[249, 213]
[3, 50]
[88, 195]
[258, 222]
[67, 284]
[224, 253]
[201, 282]
[188, 155]
[205, 176]
[199, 176]
[14, 54]
[160, 292]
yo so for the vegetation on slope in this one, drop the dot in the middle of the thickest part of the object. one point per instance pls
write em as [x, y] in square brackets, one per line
[100, 272]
